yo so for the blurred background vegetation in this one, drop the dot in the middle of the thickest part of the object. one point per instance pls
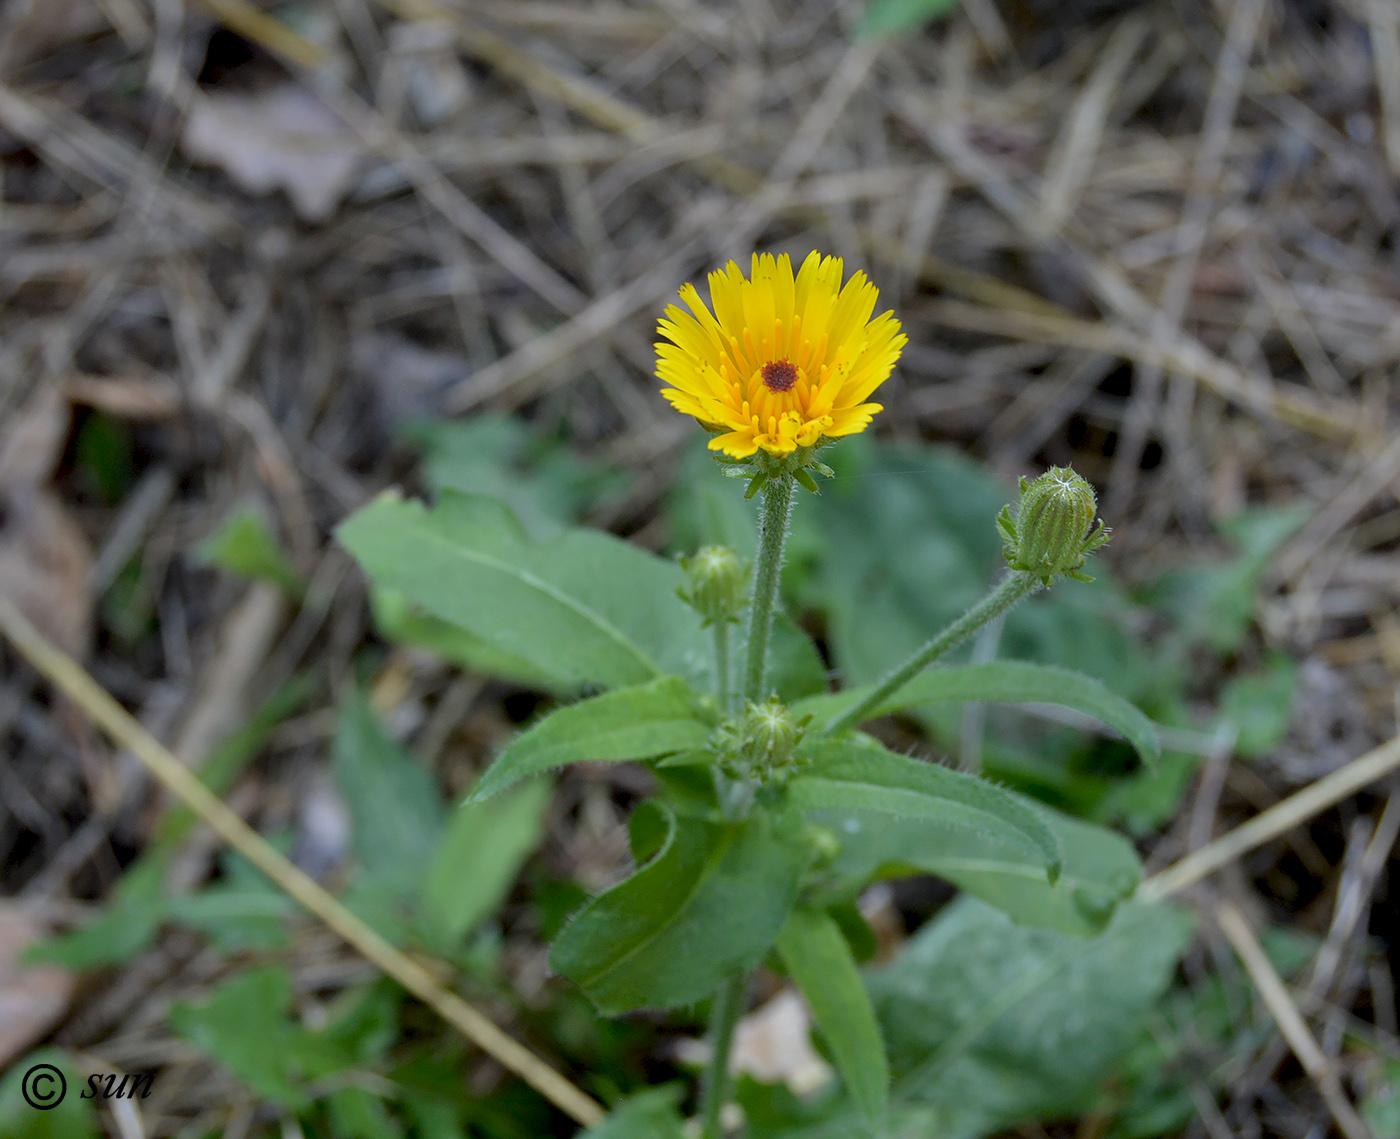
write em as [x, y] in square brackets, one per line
[259, 263]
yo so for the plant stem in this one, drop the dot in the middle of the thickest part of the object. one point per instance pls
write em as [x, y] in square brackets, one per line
[722, 688]
[724, 1015]
[1016, 586]
[772, 536]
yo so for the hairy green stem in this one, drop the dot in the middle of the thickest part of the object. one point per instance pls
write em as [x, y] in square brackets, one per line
[772, 536]
[724, 1015]
[722, 689]
[1016, 586]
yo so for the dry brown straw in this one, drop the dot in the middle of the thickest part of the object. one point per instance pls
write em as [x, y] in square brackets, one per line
[78, 685]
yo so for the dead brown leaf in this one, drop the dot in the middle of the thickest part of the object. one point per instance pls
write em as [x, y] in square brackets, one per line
[282, 138]
[33, 440]
[774, 1042]
[45, 560]
[33, 998]
[44, 565]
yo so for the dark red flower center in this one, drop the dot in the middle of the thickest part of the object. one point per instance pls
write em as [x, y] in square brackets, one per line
[779, 376]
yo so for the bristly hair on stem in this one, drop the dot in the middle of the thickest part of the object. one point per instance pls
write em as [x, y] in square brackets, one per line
[1014, 588]
[724, 1015]
[773, 520]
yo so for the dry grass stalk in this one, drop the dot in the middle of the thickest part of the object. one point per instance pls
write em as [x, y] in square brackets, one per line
[73, 680]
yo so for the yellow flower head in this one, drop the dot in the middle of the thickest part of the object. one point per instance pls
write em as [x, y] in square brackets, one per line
[780, 362]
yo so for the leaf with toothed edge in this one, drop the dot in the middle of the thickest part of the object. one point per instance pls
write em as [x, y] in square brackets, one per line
[1101, 868]
[582, 608]
[648, 720]
[854, 774]
[1012, 682]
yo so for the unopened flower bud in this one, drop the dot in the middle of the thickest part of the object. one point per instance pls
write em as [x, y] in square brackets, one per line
[715, 582]
[770, 734]
[822, 842]
[1054, 526]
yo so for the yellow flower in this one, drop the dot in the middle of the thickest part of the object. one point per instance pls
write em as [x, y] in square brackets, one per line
[780, 362]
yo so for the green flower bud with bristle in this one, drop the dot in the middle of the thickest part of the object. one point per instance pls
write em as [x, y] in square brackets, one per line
[822, 842]
[716, 580]
[761, 744]
[1053, 530]
[770, 735]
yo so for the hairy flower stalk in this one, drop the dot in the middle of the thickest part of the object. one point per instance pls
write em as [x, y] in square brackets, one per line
[727, 1007]
[1015, 587]
[772, 538]
[1049, 537]
[776, 366]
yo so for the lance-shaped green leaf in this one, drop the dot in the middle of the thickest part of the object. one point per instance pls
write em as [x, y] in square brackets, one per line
[395, 809]
[855, 775]
[1011, 682]
[583, 607]
[819, 961]
[480, 854]
[649, 1115]
[708, 905]
[652, 719]
[1100, 870]
[397, 619]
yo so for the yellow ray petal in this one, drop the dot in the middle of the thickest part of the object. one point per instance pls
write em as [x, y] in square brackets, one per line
[715, 358]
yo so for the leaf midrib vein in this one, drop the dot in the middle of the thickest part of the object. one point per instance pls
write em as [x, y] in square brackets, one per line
[700, 879]
[590, 615]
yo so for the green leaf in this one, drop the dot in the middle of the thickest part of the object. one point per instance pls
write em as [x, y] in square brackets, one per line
[245, 545]
[1381, 1107]
[1214, 603]
[366, 1027]
[233, 754]
[909, 545]
[542, 479]
[795, 667]
[652, 719]
[991, 1024]
[1259, 705]
[1148, 800]
[648, 830]
[397, 619]
[1100, 870]
[884, 17]
[358, 1114]
[243, 910]
[1016, 682]
[859, 935]
[71, 1118]
[395, 810]
[650, 1115]
[819, 961]
[128, 923]
[852, 775]
[105, 462]
[244, 1026]
[583, 608]
[480, 856]
[709, 904]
